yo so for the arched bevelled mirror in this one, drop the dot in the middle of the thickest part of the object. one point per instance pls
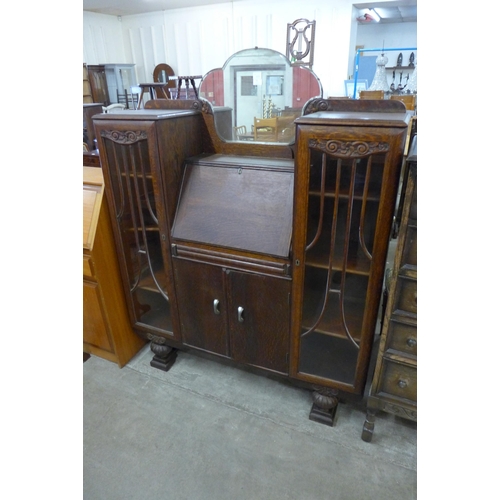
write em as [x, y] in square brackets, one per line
[257, 95]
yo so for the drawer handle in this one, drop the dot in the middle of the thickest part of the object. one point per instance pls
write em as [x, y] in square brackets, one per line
[216, 307]
[402, 383]
[240, 314]
[411, 342]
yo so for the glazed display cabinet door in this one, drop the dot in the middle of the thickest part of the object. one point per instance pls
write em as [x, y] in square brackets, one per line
[259, 319]
[346, 190]
[129, 156]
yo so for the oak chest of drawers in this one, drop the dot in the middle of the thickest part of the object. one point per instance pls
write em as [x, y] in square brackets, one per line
[394, 386]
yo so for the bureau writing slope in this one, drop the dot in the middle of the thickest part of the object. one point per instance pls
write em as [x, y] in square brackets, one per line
[230, 248]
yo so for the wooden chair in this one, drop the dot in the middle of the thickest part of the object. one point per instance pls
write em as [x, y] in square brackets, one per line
[371, 94]
[111, 107]
[408, 100]
[127, 99]
[238, 132]
[265, 129]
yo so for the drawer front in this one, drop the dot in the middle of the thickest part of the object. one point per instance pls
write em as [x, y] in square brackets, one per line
[410, 247]
[402, 337]
[406, 296]
[87, 267]
[398, 379]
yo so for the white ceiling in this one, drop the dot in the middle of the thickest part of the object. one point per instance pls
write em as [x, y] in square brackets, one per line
[129, 7]
[397, 11]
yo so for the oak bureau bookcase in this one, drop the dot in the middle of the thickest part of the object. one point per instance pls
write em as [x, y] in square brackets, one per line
[270, 255]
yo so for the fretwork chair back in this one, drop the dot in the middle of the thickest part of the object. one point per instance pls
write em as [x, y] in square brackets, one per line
[238, 132]
[130, 100]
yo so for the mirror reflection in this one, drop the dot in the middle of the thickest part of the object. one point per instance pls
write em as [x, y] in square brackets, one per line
[257, 95]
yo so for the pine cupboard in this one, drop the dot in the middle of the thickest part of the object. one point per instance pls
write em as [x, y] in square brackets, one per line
[107, 332]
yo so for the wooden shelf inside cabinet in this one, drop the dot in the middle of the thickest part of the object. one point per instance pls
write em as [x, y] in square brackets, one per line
[148, 282]
[331, 323]
[319, 255]
[344, 194]
[138, 176]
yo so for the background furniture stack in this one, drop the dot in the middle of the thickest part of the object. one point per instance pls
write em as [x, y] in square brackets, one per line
[394, 386]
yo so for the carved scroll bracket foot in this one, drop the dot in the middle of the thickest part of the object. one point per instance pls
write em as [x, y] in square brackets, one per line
[164, 355]
[325, 403]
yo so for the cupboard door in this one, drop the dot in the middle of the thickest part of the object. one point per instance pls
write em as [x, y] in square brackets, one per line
[129, 157]
[258, 315]
[202, 305]
[345, 195]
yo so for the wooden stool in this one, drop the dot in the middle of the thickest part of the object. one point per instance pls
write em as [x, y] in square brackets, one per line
[187, 79]
[155, 89]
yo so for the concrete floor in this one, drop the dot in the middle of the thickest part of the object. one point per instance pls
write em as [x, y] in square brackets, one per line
[208, 431]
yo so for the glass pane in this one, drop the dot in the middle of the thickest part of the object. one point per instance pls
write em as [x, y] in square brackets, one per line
[343, 205]
[136, 212]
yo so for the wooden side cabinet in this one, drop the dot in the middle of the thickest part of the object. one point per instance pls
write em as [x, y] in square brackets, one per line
[347, 174]
[394, 385]
[106, 328]
[141, 154]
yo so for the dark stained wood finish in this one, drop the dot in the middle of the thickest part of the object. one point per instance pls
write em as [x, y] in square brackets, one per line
[237, 202]
[142, 154]
[394, 384]
[364, 147]
[98, 84]
[259, 320]
[201, 297]
[227, 222]
[91, 159]
[213, 143]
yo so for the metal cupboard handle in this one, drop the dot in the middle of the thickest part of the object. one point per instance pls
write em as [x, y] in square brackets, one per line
[240, 314]
[216, 307]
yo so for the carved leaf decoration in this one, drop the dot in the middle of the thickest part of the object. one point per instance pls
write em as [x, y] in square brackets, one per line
[127, 137]
[349, 149]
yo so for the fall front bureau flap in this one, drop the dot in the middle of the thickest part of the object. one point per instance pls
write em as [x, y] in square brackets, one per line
[245, 203]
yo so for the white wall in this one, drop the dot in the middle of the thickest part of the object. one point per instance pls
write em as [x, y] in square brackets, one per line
[102, 39]
[401, 35]
[195, 40]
